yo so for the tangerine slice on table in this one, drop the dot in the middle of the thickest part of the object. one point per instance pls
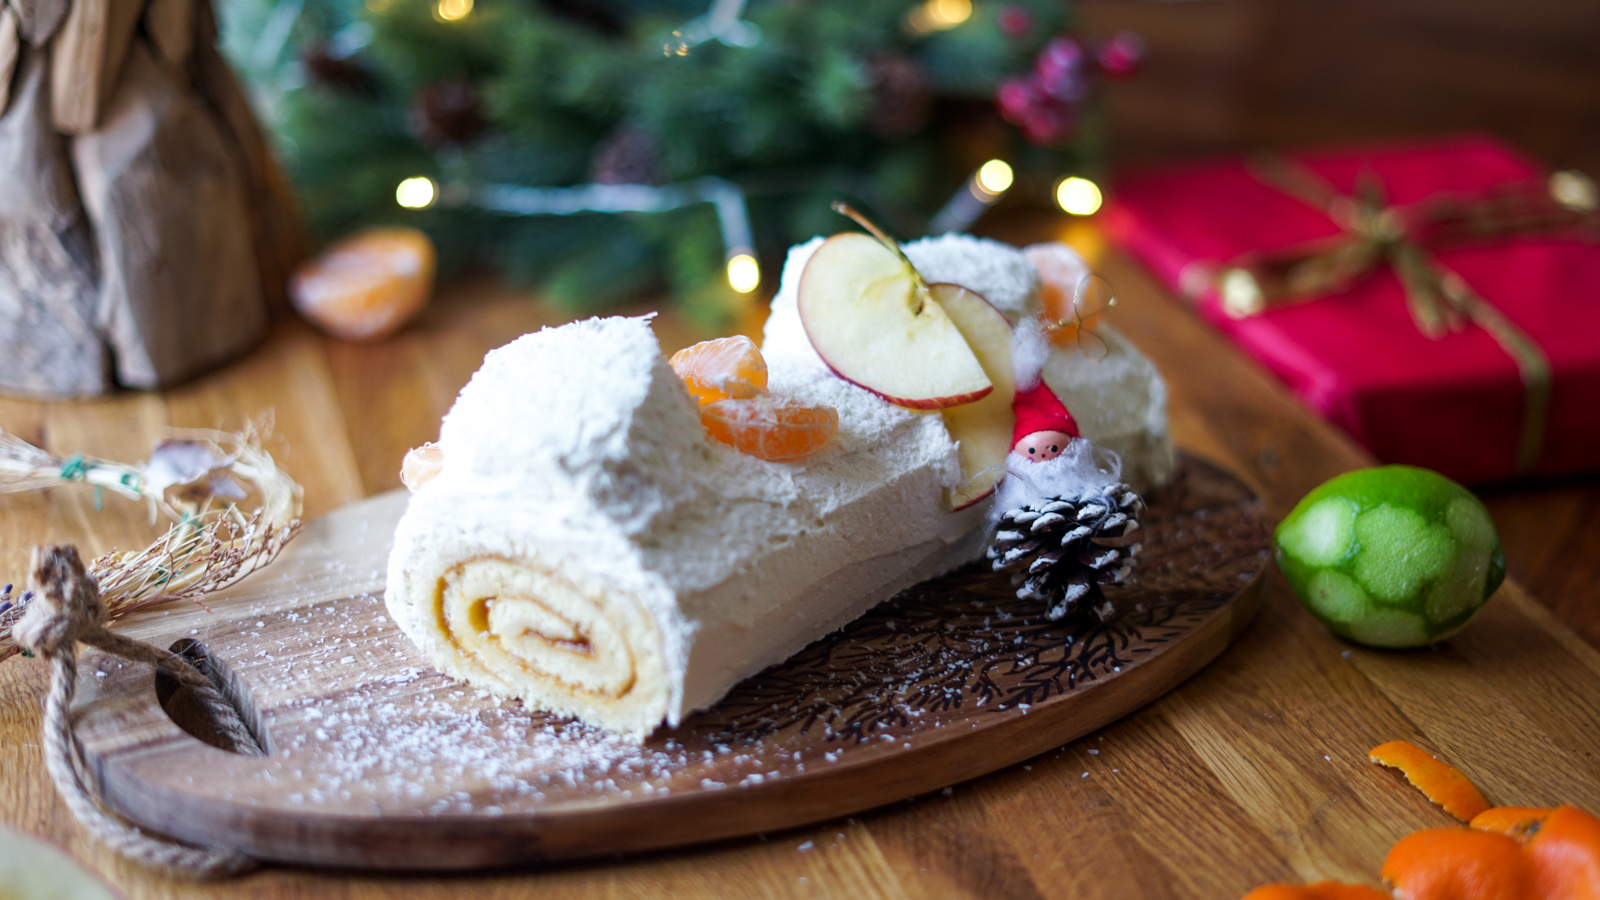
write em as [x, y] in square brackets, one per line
[368, 285]
[721, 369]
[777, 429]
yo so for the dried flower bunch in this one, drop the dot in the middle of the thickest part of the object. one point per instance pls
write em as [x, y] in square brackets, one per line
[196, 478]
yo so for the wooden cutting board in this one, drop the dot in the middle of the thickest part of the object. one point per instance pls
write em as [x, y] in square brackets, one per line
[376, 760]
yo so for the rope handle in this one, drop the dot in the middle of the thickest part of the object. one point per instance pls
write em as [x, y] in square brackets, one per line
[66, 610]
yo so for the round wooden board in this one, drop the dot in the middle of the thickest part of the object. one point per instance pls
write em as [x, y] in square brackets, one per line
[375, 760]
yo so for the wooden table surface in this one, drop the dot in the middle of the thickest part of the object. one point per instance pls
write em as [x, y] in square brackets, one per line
[1255, 770]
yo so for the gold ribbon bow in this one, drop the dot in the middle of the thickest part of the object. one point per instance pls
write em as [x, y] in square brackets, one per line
[1439, 300]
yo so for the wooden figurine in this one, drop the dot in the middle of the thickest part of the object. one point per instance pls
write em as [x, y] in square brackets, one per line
[146, 233]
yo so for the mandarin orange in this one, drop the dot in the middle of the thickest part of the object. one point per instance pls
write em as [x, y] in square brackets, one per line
[722, 369]
[778, 429]
[367, 286]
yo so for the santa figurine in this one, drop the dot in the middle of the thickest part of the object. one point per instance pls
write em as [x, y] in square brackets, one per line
[1044, 427]
[1062, 513]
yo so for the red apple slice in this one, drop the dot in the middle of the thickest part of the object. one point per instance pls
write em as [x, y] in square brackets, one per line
[982, 429]
[872, 320]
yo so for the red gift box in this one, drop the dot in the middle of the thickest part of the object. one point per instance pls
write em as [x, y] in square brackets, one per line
[1456, 404]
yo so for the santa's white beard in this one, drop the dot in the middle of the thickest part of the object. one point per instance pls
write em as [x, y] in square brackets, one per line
[1080, 467]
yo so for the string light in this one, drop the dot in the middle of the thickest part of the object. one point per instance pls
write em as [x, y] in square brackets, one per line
[983, 189]
[725, 197]
[1078, 196]
[744, 273]
[938, 15]
[452, 10]
[416, 192]
[994, 176]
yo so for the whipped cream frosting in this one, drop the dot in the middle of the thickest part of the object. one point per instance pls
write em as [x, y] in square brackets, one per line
[579, 447]
[580, 444]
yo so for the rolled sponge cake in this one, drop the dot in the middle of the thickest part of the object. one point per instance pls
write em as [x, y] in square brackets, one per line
[588, 549]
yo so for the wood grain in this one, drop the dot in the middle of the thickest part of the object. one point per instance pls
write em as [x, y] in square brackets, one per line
[1240, 74]
[38, 18]
[161, 183]
[374, 760]
[86, 60]
[49, 343]
[10, 49]
[1252, 770]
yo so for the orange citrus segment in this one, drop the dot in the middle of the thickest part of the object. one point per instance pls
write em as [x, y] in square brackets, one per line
[368, 285]
[1063, 318]
[1512, 821]
[1322, 890]
[1438, 781]
[721, 369]
[772, 428]
[1458, 864]
[1566, 855]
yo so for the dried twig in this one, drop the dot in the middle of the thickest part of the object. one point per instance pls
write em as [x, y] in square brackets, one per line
[193, 479]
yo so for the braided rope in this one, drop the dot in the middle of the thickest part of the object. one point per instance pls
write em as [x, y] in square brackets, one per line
[66, 609]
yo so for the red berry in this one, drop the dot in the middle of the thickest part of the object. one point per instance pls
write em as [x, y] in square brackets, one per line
[1122, 55]
[1017, 98]
[1060, 69]
[1015, 22]
[1049, 123]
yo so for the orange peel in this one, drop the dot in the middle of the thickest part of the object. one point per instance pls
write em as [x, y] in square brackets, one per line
[1519, 822]
[1565, 855]
[1439, 781]
[1458, 864]
[1322, 890]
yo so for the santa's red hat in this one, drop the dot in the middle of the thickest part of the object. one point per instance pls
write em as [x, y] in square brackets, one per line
[1038, 409]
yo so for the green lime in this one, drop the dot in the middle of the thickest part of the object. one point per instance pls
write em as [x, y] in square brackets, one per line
[1392, 556]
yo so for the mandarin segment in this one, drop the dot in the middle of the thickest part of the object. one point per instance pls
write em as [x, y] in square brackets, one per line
[367, 286]
[421, 465]
[777, 429]
[1438, 781]
[1068, 306]
[721, 369]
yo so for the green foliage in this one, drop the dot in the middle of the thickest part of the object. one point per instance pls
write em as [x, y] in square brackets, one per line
[791, 119]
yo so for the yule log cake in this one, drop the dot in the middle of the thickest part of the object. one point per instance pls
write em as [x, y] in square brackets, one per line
[588, 536]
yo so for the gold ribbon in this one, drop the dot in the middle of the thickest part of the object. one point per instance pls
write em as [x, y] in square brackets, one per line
[1439, 300]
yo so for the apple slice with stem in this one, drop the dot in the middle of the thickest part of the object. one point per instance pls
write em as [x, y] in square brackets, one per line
[982, 430]
[871, 318]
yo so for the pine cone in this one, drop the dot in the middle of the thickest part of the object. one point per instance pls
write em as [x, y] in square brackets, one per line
[1055, 548]
[626, 156]
[340, 72]
[446, 113]
[902, 98]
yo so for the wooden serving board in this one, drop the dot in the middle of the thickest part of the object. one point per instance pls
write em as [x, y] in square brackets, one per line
[376, 760]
